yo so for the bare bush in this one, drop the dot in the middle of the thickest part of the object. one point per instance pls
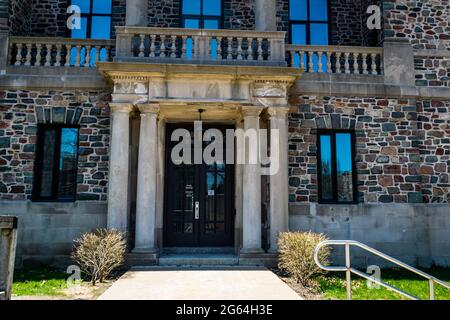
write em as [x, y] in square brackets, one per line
[296, 255]
[100, 252]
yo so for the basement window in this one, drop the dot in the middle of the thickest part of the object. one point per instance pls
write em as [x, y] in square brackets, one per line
[336, 166]
[55, 171]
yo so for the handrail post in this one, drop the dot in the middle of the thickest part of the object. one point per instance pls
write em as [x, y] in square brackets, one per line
[431, 284]
[348, 273]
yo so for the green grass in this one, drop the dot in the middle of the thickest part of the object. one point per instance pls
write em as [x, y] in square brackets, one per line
[332, 285]
[40, 282]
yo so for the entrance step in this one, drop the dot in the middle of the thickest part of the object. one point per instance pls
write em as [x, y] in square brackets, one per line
[198, 260]
[199, 250]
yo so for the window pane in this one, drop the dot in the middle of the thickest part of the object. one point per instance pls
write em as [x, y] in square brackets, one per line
[327, 171]
[102, 6]
[211, 24]
[85, 5]
[299, 34]
[298, 10]
[191, 23]
[68, 163]
[82, 32]
[48, 155]
[319, 34]
[344, 167]
[212, 7]
[318, 10]
[101, 27]
[191, 7]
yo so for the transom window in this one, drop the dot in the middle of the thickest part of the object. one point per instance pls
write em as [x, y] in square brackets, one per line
[309, 22]
[95, 19]
[336, 167]
[55, 172]
[202, 14]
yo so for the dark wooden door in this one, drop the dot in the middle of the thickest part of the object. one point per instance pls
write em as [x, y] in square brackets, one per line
[199, 199]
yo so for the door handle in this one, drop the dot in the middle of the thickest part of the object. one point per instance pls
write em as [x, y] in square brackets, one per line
[197, 210]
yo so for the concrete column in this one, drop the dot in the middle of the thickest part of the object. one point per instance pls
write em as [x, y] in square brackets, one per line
[398, 61]
[146, 186]
[137, 13]
[279, 191]
[266, 15]
[251, 190]
[118, 167]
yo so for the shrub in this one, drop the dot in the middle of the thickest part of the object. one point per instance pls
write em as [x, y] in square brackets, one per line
[296, 255]
[99, 252]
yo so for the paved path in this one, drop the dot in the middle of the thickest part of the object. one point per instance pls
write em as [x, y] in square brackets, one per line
[161, 283]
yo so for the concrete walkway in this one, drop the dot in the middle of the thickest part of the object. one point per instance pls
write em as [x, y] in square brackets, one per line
[229, 283]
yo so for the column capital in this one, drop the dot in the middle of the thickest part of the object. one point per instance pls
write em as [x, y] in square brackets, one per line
[278, 112]
[149, 108]
[251, 111]
[121, 107]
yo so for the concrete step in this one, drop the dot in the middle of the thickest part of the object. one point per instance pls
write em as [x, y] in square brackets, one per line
[199, 250]
[198, 260]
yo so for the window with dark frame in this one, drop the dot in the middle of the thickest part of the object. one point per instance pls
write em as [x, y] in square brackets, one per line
[201, 14]
[96, 19]
[309, 22]
[336, 166]
[55, 171]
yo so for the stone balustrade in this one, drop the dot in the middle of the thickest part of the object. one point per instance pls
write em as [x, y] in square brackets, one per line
[336, 59]
[58, 52]
[174, 45]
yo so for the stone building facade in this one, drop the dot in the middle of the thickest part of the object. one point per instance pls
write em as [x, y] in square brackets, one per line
[398, 113]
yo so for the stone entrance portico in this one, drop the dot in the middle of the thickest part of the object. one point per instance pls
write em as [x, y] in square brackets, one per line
[242, 96]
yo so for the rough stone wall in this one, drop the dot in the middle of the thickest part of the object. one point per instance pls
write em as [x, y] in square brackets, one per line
[20, 111]
[402, 153]
[239, 14]
[20, 12]
[4, 14]
[164, 13]
[432, 71]
[426, 23]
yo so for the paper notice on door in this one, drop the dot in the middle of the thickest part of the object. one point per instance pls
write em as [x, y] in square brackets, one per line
[211, 192]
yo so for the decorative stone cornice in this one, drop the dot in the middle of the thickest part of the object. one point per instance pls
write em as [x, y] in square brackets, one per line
[278, 112]
[149, 108]
[121, 107]
[251, 111]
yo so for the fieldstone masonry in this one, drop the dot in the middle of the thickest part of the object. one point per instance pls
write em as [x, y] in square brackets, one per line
[21, 111]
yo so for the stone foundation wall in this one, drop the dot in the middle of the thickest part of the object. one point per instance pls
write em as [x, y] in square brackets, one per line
[432, 71]
[20, 111]
[425, 23]
[415, 234]
[402, 147]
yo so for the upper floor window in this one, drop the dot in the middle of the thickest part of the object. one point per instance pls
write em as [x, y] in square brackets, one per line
[95, 19]
[336, 167]
[55, 172]
[309, 22]
[201, 14]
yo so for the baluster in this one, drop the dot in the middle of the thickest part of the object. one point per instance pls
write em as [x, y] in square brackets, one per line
[87, 61]
[381, 66]
[347, 62]
[195, 47]
[374, 63]
[338, 62]
[364, 63]
[68, 55]
[246, 52]
[19, 55]
[329, 65]
[48, 58]
[78, 56]
[107, 53]
[98, 51]
[292, 53]
[58, 55]
[219, 48]
[355, 63]
[239, 48]
[310, 63]
[260, 49]
[230, 48]
[183, 47]
[173, 49]
[152, 46]
[302, 59]
[208, 42]
[163, 47]
[38, 54]
[28, 54]
[319, 62]
[142, 45]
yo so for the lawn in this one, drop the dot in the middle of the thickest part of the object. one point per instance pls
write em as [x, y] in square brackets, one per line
[40, 282]
[332, 285]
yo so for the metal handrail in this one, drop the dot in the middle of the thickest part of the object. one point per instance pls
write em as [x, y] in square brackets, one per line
[349, 270]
